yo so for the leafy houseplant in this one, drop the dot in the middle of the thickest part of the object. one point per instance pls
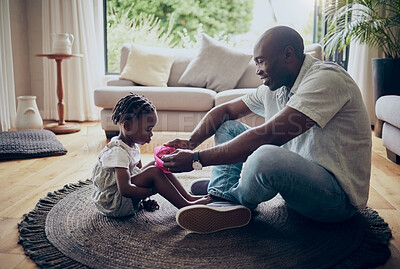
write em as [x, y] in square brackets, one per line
[372, 22]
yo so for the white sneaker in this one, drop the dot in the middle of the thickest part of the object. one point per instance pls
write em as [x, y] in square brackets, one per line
[205, 219]
[221, 204]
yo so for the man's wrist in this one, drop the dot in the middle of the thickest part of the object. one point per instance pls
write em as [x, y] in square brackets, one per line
[200, 159]
[196, 163]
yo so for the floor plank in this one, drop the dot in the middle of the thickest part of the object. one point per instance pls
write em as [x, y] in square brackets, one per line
[26, 181]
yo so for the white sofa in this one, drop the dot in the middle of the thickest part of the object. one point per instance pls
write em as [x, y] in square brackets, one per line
[387, 110]
[180, 107]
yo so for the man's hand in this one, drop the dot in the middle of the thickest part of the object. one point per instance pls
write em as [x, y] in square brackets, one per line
[179, 161]
[181, 144]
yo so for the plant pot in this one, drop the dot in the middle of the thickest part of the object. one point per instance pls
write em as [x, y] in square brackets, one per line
[386, 81]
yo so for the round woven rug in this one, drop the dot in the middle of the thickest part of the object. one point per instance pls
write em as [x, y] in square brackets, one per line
[66, 230]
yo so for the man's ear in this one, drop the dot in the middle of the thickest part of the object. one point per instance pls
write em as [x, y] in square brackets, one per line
[289, 54]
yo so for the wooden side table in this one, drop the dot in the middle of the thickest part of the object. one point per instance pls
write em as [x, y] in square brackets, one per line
[61, 127]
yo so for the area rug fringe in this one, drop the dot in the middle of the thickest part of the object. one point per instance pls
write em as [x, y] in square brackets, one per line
[32, 234]
[373, 251]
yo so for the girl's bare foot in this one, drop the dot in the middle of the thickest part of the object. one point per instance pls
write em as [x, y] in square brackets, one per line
[203, 200]
[193, 198]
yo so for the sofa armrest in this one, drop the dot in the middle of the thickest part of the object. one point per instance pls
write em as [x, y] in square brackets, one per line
[386, 109]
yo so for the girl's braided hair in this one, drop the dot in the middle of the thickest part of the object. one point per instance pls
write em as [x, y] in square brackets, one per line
[131, 106]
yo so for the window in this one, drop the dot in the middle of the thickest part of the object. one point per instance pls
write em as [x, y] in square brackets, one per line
[240, 22]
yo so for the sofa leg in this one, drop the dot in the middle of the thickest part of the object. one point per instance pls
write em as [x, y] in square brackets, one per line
[393, 156]
[111, 134]
[378, 128]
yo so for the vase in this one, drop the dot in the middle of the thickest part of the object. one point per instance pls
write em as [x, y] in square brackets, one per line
[62, 43]
[28, 116]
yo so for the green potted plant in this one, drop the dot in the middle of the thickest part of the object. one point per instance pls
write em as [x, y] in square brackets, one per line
[372, 22]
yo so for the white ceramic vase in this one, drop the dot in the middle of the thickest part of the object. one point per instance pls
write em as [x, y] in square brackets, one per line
[28, 116]
[62, 43]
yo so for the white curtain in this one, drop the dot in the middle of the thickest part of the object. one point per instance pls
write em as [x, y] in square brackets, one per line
[83, 19]
[7, 90]
[360, 68]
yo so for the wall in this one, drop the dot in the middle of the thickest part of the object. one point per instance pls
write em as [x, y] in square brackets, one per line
[26, 38]
[20, 47]
[34, 14]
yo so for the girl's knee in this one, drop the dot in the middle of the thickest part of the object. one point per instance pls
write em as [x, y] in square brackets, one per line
[153, 170]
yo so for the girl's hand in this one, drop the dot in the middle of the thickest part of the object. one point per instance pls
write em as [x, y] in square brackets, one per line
[180, 144]
[150, 205]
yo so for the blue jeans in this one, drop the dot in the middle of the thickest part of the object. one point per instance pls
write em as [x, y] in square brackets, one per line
[305, 186]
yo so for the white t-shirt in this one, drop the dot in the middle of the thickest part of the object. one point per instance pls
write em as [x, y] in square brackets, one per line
[106, 196]
[341, 139]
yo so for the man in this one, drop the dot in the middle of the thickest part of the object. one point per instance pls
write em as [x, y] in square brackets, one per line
[314, 148]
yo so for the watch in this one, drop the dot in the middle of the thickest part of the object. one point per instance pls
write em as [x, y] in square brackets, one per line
[196, 161]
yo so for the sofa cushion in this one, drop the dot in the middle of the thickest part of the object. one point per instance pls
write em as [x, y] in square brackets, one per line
[182, 58]
[228, 95]
[147, 67]
[171, 98]
[120, 82]
[387, 109]
[249, 78]
[168, 120]
[181, 62]
[216, 66]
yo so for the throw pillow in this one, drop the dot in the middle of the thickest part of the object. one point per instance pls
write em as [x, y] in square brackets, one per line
[148, 67]
[216, 66]
[29, 144]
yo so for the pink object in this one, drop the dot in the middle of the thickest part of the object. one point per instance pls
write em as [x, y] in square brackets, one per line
[159, 152]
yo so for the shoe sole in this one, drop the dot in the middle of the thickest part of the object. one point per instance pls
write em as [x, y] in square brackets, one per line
[205, 219]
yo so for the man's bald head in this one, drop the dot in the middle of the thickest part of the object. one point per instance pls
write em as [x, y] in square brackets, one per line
[276, 39]
[279, 55]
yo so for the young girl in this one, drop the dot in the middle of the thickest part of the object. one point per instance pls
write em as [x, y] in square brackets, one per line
[121, 183]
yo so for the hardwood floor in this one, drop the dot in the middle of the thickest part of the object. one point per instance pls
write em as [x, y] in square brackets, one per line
[26, 181]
